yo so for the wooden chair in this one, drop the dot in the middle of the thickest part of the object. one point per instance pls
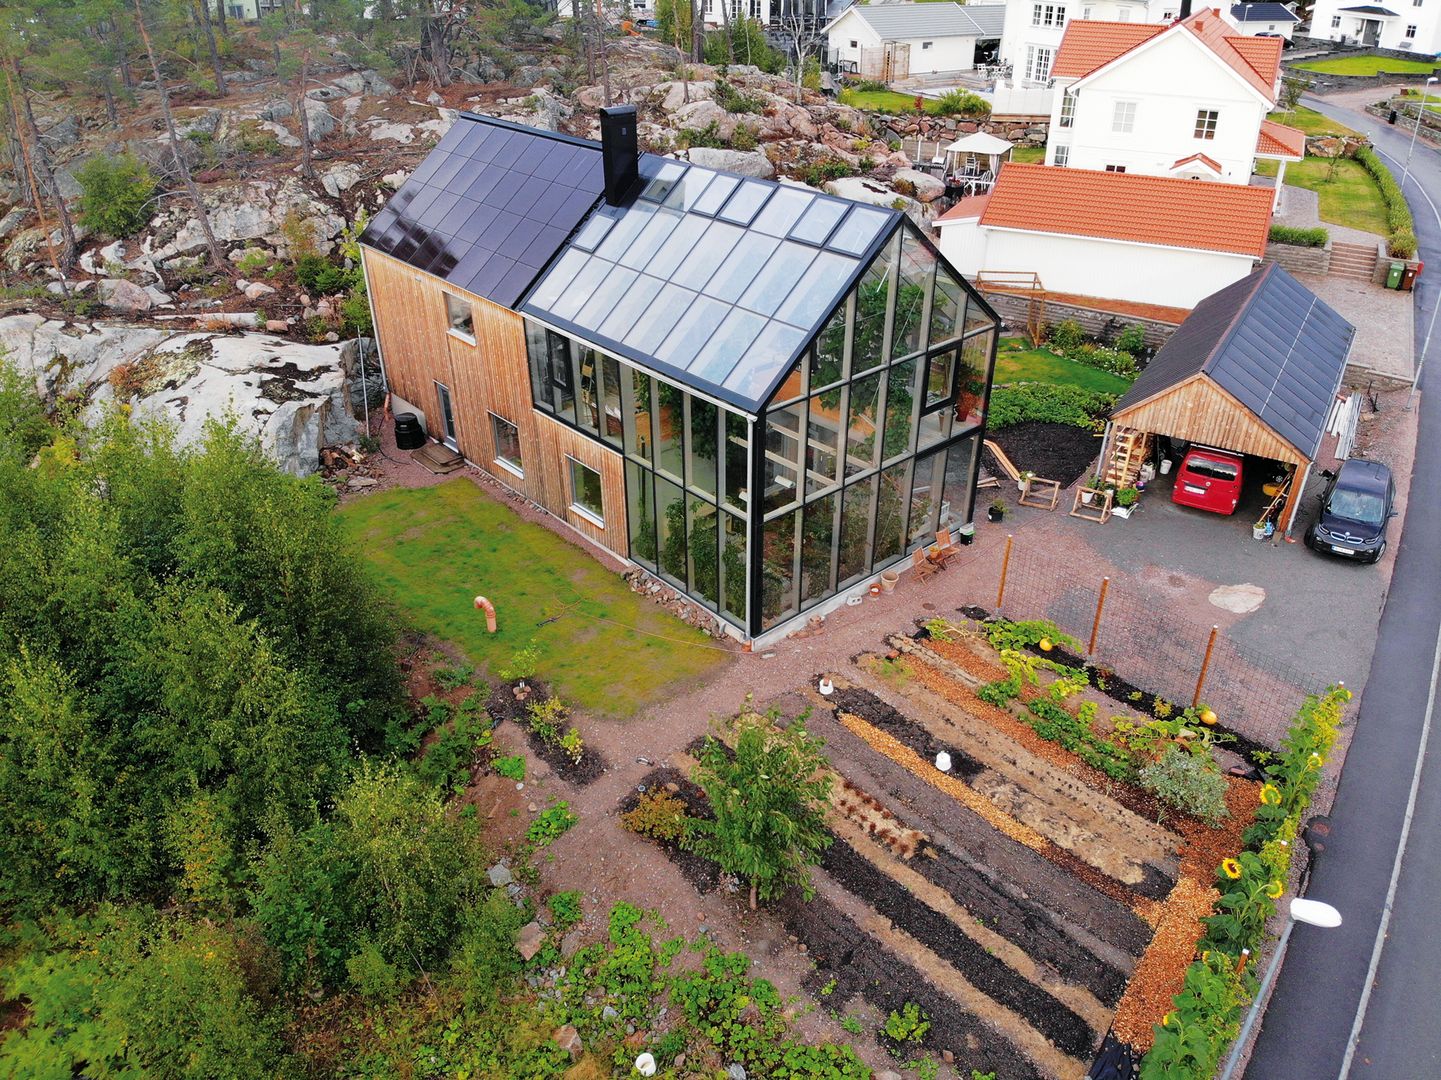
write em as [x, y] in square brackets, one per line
[922, 565]
[1038, 491]
[945, 548]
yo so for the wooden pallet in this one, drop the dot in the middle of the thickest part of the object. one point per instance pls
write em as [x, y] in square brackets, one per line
[1097, 510]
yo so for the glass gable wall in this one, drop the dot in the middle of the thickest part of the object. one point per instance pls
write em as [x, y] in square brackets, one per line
[866, 449]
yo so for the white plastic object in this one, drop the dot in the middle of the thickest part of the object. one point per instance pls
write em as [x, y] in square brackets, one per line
[943, 761]
[645, 1064]
[827, 688]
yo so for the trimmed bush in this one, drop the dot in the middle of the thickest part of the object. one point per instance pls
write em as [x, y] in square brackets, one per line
[1287, 234]
[1401, 242]
[115, 195]
[962, 103]
[1189, 782]
[1401, 245]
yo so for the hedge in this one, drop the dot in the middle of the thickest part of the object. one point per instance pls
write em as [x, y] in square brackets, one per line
[1401, 243]
[1288, 234]
[1218, 987]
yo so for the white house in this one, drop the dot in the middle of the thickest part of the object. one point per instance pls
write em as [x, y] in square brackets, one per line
[1265, 20]
[896, 41]
[1412, 25]
[247, 10]
[1188, 100]
[1110, 236]
[1032, 31]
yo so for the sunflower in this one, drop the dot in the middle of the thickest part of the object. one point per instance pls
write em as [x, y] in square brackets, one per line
[1274, 890]
[1231, 868]
[1270, 795]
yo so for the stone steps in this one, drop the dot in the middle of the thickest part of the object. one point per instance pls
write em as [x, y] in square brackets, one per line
[1353, 261]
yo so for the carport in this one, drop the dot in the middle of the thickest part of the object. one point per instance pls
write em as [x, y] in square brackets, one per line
[1254, 369]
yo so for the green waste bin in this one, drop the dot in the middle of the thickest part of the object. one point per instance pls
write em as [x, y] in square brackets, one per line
[1393, 279]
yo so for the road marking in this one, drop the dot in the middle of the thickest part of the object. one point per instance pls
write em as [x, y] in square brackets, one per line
[1354, 1039]
[1425, 345]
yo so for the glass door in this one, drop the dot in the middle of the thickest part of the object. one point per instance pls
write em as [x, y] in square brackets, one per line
[447, 416]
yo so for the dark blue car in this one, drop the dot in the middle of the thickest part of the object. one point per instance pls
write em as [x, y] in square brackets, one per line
[1355, 509]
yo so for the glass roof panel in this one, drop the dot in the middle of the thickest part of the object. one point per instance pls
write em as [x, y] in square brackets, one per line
[743, 206]
[744, 262]
[665, 179]
[629, 307]
[592, 232]
[783, 211]
[660, 318]
[786, 266]
[639, 255]
[677, 246]
[631, 222]
[579, 291]
[715, 196]
[553, 286]
[815, 294]
[767, 357]
[688, 190]
[692, 332]
[608, 292]
[709, 253]
[818, 220]
[860, 229]
[727, 345]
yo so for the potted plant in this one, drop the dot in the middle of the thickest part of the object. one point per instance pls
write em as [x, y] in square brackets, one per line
[1025, 478]
[997, 511]
[1126, 498]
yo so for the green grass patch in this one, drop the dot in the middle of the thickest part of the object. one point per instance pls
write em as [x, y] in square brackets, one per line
[886, 101]
[1310, 121]
[1348, 197]
[1016, 363]
[433, 549]
[1367, 65]
[1033, 155]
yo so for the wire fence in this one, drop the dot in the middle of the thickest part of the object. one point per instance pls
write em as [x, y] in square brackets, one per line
[1155, 644]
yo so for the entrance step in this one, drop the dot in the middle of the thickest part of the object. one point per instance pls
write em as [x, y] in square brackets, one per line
[1353, 261]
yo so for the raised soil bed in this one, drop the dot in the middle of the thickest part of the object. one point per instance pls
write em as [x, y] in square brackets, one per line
[1061, 452]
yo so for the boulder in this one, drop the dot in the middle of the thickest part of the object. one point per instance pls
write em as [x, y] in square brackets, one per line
[123, 295]
[701, 114]
[64, 132]
[368, 81]
[568, 1039]
[282, 135]
[254, 210]
[256, 289]
[322, 124]
[924, 187]
[340, 178]
[11, 221]
[394, 180]
[499, 875]
[744, 162]
[278, 109]
[529, 940]
[674, 95]
[860, 189]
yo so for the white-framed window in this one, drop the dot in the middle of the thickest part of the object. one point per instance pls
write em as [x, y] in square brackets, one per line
[1417, 3]
[1206, 123]
[755, 9]
[1063, 154]
[1115, 168]
[1411, 31]
[1048, 14]
[1123, 118]
[1038, 63]
[1335, 22]
[1124, 15]
[926, 45]
[585, 497]
[507, 445]
[1086, 12]
[1068, 109]
[460, 316]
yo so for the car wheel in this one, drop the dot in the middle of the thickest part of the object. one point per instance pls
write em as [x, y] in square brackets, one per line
[1379, 552]
[1310, 538]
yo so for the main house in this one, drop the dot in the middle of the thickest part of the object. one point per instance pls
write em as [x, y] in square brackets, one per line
[1407, 25]
[1032, 31]
[1186, 100]
[761, 394]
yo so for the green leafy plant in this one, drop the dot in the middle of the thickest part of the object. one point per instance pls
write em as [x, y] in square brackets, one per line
[522, 664]
[1049, 403]
[511, 767]
[734, 100]
[659, 815]
[1065, 336]
[565, 908]
[962, 103]
[1132, 339]
[907, 1026]
[1187, 781]
[550, 824]
[116, 194]
[1299, 237]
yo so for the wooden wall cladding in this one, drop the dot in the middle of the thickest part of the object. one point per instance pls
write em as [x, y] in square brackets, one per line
[1199, 411]
[491, 376]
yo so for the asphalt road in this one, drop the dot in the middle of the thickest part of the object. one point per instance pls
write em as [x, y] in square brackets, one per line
[1321, 997]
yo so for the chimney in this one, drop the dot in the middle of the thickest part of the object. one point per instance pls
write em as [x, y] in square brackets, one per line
[619, 151]
[1185, 9]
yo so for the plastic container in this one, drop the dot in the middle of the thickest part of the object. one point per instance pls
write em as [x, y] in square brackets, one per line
[1408, 277]
[409, 435]
[1394, 275]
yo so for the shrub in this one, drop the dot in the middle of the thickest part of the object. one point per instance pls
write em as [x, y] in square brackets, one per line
[511, 767]
[1132, 339]
[485, 953]
[115, 194]
[818, 173]
[309, 266]
[23, 427]
[1401, 245]
[372, 975]
[553, 823]
[1048, 403]
[1188, 782]
[734, 100]
[565, 908]
[1065, 336]
[659, 815]
[1289, 234]
[868, 85]
[744, 138]
[962, 103]
[907, 1026]
[708, 136]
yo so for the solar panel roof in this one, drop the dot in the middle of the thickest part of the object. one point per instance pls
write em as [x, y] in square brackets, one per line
[717, 280]
[490, 206]
[1268, 341]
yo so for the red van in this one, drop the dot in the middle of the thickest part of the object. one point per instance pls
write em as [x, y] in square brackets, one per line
[1208, 480]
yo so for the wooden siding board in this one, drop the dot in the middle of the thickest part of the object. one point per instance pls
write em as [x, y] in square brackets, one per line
[1198, 410]
[491, 376]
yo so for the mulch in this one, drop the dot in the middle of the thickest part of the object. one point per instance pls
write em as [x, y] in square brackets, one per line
[504, 705]
[1061, 452]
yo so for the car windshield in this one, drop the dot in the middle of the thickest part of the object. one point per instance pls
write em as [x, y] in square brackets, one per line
[1218, 470]
[1364, 506]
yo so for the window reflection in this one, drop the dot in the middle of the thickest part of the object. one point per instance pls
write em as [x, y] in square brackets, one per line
[703, 551]
[783, 456]
[778, 576]
[704, 438]
[854, 555]
[670, 516]
[863, 431]
[975, 362]
[900, 405]
[669, 421]
[610, 400]
[737, 462]
[640, 514]
[891, 502]
[823, 441]
[817, 536]
[916, 266]
[927, 482]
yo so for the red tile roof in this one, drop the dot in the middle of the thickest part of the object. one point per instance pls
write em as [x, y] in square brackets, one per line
[966, 209]
[1089, 45]
[1140, 209]
[1209, 162]
[1278, 140]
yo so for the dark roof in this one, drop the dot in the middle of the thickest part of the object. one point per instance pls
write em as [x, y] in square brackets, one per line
[716, 280]
[1269, 342]
[1263, 13]
[490, 206]
[1370, 9]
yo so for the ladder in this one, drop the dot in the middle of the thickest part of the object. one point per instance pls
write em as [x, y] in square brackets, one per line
[1129, 450]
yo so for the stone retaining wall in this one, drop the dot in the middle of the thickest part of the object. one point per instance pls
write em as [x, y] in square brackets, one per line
[1097, 324]
[1298, 259]
[1021, 131]
[1322, 83]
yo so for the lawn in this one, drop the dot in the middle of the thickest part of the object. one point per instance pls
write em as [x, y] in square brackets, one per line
[1350, 197]
[1310, 121]
[600, 645]
[886, 101]
[1016, 363]
[1031, 154]
[1367, 65]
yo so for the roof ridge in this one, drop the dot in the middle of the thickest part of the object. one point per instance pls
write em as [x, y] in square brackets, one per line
[511, 125]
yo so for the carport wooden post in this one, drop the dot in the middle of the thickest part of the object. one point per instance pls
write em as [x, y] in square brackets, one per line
[1293, 498]
[1005, 566]
[1205, 666]
[1096, 623]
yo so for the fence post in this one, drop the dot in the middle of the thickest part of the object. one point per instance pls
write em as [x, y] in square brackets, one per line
[1005, 566]
[1205, 666]
[1096, 623]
